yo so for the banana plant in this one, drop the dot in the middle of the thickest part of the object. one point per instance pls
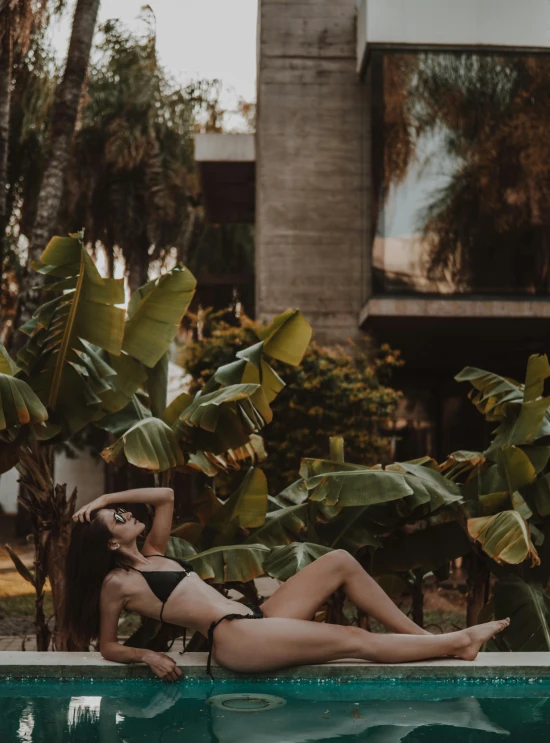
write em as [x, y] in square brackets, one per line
[83, 362]
[507, 498]
[217, 430]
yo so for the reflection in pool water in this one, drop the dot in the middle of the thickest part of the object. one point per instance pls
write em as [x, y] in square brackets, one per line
[133, 711]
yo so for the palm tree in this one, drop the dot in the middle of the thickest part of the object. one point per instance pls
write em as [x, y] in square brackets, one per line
[132, 178]
[65, 110]
[18, 21]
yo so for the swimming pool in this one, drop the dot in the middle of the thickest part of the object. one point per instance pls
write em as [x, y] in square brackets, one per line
[276, 711]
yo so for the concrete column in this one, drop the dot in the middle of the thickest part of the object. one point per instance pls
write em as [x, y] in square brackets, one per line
[312, 172]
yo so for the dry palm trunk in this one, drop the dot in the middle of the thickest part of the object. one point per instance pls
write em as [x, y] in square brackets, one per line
[478, 576]
[51, 515]
[65, 112]
[6, 49]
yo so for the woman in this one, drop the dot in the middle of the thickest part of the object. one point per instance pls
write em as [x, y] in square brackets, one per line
[106, 573]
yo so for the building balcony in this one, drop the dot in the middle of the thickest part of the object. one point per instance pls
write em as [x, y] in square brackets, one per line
[227, 170]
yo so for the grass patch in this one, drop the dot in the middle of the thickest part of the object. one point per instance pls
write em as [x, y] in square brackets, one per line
[22, 607]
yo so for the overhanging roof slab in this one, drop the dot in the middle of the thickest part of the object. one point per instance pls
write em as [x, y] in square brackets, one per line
[499, 24]
[227, 172]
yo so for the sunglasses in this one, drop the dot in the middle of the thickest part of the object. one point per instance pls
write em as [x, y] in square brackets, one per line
[118, 515]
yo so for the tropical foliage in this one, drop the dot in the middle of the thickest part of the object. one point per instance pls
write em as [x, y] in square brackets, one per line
[333, 392]
[410, 519]
[130, 169]
[88, 361]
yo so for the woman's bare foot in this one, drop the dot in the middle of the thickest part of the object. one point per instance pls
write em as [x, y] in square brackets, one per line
[473, 638]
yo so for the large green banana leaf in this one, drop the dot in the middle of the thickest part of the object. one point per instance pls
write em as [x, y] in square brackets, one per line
[538, 454]
[539, 494]
[460, 462]
[493, 391]
[224, 419]
[130, 375]
[219, 523]
[429, 485]
[238, 563]
[346, 485]
[121, 421]
[367, 487]
[19, 405]
[504, 537]
[313, 467]
[294, 494]
[528, 606]
[523, 413]
[286, 340]
[515, 467]
[429, 548]
[217, 429]
[178, 547]
[286, 561]
[60, 358]
[149, 444]
[350, 530]
[538, 370]
[7, 365]
[232, 459]
[522, 423]
[154, 314]
[246, 508]
[281, 526]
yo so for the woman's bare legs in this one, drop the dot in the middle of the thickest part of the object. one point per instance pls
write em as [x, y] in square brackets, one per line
[268, 644]
[305, 592]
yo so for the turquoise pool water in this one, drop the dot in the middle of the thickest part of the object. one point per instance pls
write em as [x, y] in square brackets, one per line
[347, 712]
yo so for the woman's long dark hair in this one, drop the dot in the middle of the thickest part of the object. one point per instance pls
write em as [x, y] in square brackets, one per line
[89, 560]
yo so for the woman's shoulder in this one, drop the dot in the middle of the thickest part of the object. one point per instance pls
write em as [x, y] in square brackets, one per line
[115, 580]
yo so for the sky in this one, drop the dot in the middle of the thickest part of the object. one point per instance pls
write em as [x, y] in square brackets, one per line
[195, 39]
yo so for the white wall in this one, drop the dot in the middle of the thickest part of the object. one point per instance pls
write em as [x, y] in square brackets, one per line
[481, 23]
[83, 472]
[9, 488]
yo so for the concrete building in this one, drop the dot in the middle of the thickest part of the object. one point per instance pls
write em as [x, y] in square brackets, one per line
[369, 115]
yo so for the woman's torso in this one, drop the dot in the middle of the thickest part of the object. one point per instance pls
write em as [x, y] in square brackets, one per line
[192, 603]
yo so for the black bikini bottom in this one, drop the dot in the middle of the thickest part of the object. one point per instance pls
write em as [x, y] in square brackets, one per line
[257, 614]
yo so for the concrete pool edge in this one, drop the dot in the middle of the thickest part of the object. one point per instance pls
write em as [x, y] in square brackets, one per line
[488, 666]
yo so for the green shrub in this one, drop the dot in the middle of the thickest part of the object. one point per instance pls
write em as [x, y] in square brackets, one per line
[333, 392]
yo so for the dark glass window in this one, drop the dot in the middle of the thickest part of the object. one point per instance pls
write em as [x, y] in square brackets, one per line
[461, 173]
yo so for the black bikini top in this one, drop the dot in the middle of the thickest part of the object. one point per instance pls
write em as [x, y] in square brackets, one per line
[163, 582]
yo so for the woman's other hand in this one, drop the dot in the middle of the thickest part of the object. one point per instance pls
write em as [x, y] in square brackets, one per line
[162, 666]
[83, 514]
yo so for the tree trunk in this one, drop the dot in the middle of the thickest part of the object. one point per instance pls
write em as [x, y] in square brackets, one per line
[417, 596]
[6, 60]
[478, 574]
[137, 265]
[43, 634]
[55, 554]
[51, 514]
[65, 112]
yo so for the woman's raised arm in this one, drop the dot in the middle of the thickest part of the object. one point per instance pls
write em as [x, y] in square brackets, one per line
[153, 496]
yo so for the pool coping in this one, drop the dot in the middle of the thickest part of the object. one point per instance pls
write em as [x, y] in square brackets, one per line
[487, 666]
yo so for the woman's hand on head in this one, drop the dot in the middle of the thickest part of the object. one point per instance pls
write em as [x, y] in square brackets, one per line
[84, 513]
[162, 666]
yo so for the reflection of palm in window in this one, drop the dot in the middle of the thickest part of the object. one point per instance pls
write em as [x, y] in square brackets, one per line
[459, 161]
